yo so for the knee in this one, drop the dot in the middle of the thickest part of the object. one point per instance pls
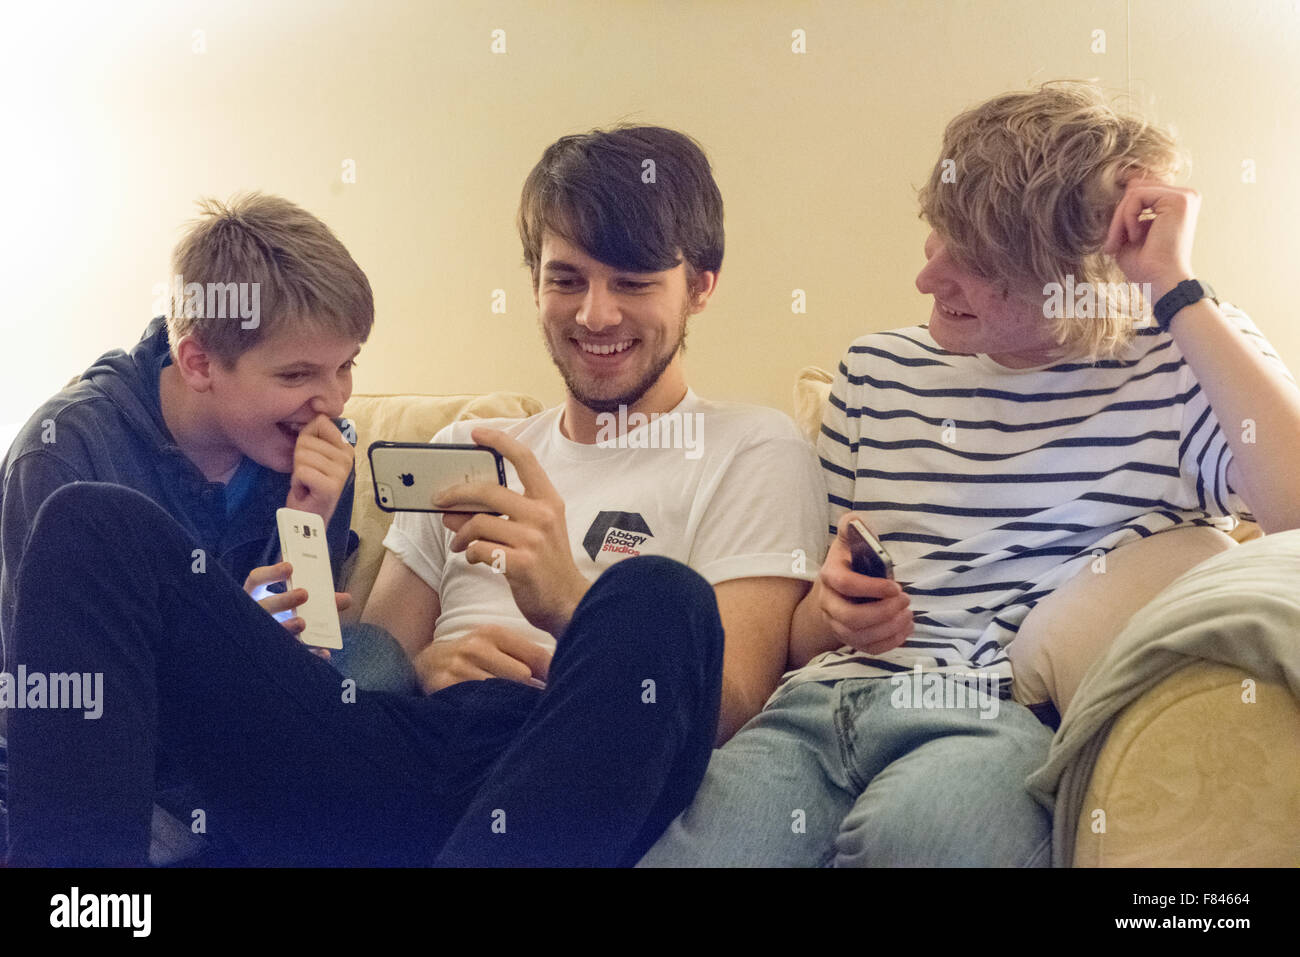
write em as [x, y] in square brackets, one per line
[655, 577]
[947, 817]
[651, 586]
[660, 608]
[81, 504]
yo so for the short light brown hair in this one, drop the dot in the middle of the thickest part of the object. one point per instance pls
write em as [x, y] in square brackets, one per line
[1037, 180]
[307, 281]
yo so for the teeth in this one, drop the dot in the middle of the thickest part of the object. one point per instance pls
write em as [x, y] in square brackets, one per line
[951, 312]
[606, 349]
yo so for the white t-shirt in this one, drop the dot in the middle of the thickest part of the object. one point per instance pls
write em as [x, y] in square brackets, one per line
[742, 496]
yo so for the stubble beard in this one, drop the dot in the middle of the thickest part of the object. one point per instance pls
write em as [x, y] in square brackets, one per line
[631, 396]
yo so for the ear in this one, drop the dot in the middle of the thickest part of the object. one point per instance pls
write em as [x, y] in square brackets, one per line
[706, 283]
[194, 363]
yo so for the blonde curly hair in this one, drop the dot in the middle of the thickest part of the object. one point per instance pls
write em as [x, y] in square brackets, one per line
[1038, 175]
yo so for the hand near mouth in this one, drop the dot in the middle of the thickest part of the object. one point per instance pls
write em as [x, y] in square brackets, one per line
[322, 462]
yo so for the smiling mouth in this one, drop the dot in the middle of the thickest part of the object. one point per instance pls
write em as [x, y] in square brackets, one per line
[612, 348]
[952, 313]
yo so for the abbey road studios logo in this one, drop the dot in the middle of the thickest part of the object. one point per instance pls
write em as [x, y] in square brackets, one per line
[616, 533]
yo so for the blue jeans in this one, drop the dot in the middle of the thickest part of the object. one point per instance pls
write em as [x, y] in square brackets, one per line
[833, 774]
[373, 658]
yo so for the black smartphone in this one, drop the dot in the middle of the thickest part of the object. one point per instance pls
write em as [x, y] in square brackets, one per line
[867, 555]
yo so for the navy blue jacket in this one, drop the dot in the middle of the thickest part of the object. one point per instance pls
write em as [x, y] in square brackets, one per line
[108, 427]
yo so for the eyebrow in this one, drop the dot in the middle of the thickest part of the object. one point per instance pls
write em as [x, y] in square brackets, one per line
[559, 265]
[304, 364]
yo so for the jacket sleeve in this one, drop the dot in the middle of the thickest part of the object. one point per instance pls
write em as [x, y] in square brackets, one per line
[28, 481]
[339, 533]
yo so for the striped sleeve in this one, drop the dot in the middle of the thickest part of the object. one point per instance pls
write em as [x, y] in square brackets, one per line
[1204, 453]
[837, 447]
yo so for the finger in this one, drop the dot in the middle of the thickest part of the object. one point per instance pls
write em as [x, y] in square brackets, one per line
[1115, 234]
[1119, 234]
[323, 427]
[274, 604]
[342, 600]
[497, 663]
[523, 648]
[531, 474]
[846, 583]
[266, 574]
[875, 615]
[330, 463]
[901, 629]
[325, 447]
[321, 462]
[294, 626]
[489, 528]
[878, 631]
[842, 529]
[462, 672]
[312, 480]
[482, 497]
[490, 553]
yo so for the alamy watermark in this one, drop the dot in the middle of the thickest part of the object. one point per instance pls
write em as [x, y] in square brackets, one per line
[1097, 300]
[82, 691]
[216, 300]
[129, 911]
[946, 690]
[656, 430]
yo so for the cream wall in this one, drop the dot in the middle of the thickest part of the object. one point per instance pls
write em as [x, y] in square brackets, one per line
[115, 125]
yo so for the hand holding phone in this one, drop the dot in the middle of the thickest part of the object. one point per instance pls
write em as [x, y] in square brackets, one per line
[409, 476]
[874, 622]
[303, 545]
[868, 555]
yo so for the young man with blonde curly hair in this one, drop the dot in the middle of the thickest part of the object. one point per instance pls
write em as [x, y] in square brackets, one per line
[997, 451]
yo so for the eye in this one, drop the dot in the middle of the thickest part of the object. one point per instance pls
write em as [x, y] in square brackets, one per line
[637, 284]
[348, 366]
[562, 283]
[294, 377]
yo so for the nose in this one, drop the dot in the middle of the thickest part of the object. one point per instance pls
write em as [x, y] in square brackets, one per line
[599, 309]
[934, 273]
[331, 399]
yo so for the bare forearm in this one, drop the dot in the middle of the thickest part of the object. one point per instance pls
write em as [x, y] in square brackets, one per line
[737, 708]
[809, 636]
[1257, 409]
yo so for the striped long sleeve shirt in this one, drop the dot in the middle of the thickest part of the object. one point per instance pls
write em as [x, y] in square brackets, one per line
[991, 487]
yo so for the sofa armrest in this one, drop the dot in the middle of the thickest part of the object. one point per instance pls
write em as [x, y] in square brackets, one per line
[1201, 771]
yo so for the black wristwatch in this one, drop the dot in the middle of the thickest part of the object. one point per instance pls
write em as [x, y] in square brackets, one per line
[1184, 294]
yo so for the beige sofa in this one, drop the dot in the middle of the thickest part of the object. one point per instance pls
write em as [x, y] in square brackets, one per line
[1186, 778]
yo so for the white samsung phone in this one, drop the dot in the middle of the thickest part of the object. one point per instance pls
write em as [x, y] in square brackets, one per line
[303, 545]
[408, 476]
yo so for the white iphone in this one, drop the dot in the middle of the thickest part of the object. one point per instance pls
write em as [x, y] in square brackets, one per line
[410, 475]
[303, 545]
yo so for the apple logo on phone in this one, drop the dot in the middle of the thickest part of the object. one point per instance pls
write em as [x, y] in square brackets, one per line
[407, 479]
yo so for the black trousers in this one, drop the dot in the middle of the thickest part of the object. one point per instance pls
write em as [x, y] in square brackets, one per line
[300, 769]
